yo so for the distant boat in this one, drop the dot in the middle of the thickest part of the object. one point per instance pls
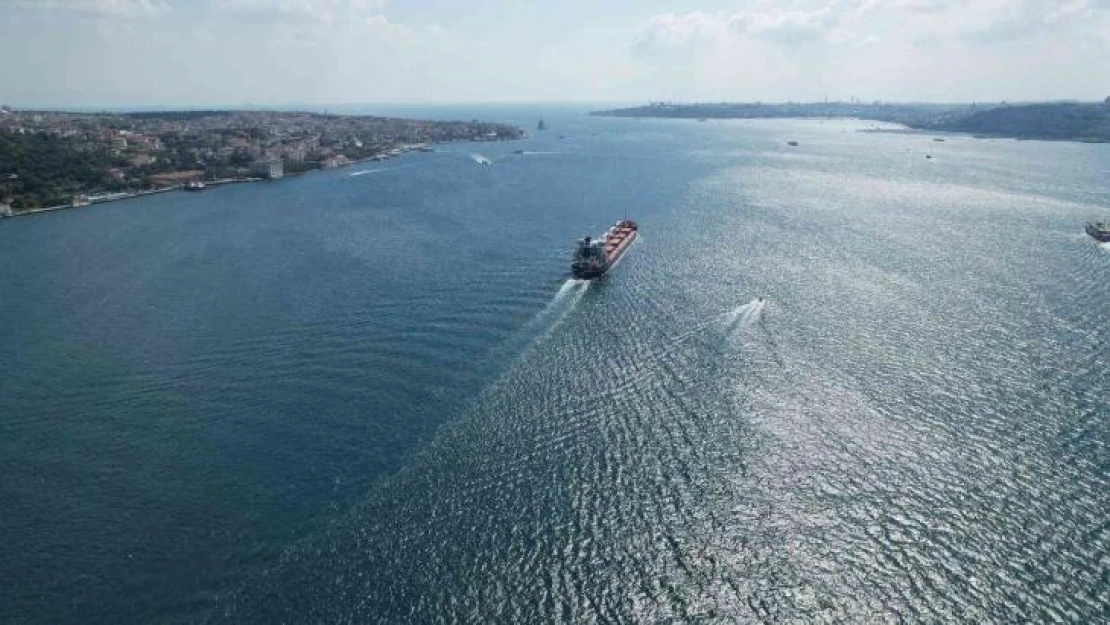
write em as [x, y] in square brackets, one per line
[792, 143]
[195, 185]
[1100, 230]
[541, 125]
[518, 151]
[938, 139]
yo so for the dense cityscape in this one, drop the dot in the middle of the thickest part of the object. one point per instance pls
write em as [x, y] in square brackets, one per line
[51, 159]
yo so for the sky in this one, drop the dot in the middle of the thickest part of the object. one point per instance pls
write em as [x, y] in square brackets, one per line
[60, 53]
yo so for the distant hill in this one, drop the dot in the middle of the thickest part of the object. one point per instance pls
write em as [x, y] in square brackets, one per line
[1062, 121]
[898, 113]
[1052, 121]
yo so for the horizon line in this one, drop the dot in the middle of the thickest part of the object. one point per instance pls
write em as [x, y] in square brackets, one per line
[307, 107]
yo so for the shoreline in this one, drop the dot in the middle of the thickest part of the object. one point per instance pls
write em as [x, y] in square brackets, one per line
[117, 156]
[1076, 122]
[125, 195]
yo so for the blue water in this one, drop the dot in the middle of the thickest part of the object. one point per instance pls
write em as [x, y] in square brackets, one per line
[373, 395]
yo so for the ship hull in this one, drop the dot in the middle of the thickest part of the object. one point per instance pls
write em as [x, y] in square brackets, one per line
[588, 273]
[1098, 234]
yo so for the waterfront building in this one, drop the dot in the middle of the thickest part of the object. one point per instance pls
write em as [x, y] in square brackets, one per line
[269, 168]
[332, 162]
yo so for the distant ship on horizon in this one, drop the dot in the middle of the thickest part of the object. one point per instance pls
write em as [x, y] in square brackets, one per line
[541, 125]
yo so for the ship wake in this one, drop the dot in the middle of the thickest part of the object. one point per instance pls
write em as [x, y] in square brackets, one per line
[379, 170]
[557, 310]
[745, 316]
[543, 323]
[565, 300]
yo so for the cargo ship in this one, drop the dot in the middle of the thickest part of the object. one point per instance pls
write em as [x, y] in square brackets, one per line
[593, 257]
[1100, 231]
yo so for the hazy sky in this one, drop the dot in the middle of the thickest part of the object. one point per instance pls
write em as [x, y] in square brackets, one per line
[191, 52]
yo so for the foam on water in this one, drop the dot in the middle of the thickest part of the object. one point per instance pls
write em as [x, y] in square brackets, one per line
[377, 171]
[561, 305]
[745, 315]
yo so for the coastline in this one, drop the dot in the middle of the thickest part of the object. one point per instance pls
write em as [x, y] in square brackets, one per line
[1078, 122]
[116, 197]
[56, 160]
[905, 129]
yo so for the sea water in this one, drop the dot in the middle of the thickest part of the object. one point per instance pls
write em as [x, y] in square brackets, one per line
[831, 382]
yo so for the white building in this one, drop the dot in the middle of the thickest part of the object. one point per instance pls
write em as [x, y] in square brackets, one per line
[270, 168]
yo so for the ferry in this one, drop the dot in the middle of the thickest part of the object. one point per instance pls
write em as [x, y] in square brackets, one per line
[1100, 230]
[593, 257]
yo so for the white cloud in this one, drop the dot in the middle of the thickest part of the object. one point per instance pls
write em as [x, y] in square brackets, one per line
[762, 20]
[791, 26]
[322, 10]
[509, 50]
[887, 49]
[114, 8]
[855, 21]
[380, 27]
[672, 30]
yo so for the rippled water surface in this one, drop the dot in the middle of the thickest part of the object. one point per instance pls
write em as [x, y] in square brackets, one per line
[837, 382]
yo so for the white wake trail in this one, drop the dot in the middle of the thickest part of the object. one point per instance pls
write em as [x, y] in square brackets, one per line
[744, 315]
[561, 305]
[565, 300]
[377, 170]
[544, 322]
